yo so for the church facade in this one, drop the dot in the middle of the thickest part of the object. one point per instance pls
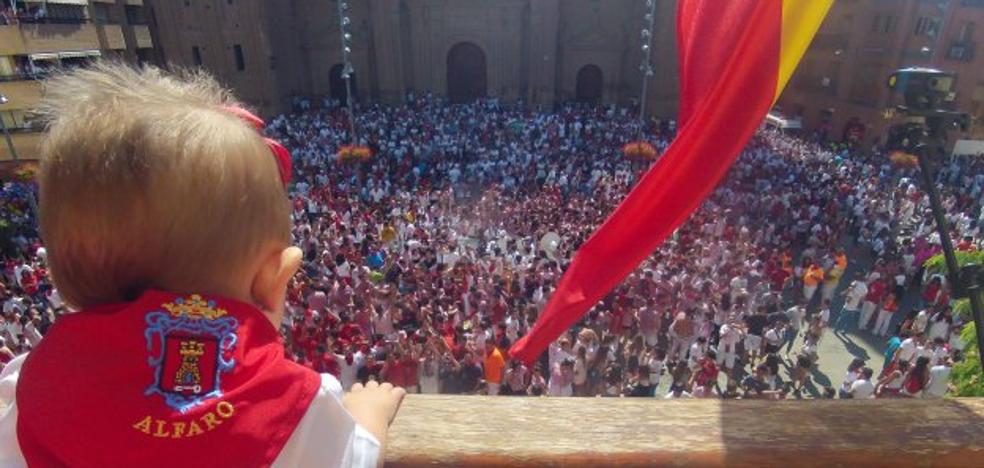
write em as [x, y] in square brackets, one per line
[540, 51]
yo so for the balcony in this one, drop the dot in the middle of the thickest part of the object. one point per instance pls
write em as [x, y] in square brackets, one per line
[589, 432]
[22, 94]
[27, 39]
[142, 34]
[25, 143]
[31, 38]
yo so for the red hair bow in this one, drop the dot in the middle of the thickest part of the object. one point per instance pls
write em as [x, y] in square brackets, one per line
[280, 153]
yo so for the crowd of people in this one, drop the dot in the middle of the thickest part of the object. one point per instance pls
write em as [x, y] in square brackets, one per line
[425, 262]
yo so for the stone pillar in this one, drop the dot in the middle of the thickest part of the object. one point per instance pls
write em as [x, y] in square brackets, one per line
[543, 53]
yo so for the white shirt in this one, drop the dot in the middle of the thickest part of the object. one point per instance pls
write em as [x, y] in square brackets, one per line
[55, 299]
[825, 316]
[862, 388]
[730, 337]
[920, 322]
[344, 270]
[855, 295]
[326, 435]
[348, 372]
[907, 349]
[939, 377]
[696, 352]
[795, 315]
[14, 304]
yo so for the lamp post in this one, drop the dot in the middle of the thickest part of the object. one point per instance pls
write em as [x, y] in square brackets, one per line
[6, 132]
[970, 284]
[646, 67]
[927, 93]
[347, 69]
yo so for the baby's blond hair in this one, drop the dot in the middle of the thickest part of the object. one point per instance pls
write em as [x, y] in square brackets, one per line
[146, 182]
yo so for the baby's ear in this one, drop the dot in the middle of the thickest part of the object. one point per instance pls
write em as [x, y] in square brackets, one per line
[269, 287]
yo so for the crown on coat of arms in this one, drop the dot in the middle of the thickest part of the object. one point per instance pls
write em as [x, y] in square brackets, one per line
[194, 307]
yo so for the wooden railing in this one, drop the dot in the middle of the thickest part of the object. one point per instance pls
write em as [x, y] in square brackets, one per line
[519, 432]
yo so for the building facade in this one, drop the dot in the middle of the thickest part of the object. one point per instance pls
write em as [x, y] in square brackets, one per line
[38, 36]
[541, 51]
[841, 84]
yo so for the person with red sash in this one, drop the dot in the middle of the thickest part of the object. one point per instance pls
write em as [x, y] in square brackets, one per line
[167, 225]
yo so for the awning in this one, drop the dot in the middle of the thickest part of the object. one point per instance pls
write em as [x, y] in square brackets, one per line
[969, 147]
[45, 56]
[59, 2]
[778, 120]
[65, 54]
[80, 54]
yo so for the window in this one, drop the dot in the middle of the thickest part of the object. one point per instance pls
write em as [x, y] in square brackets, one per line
[890, 23]
[136, 14]
[101, 12]
[196, 55]
[876, 23]
[238, 51]
[967, 31]
[927, 26]
[884, 24]
[68, 14]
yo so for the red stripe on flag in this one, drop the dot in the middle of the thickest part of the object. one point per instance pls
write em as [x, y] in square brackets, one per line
[729, 63]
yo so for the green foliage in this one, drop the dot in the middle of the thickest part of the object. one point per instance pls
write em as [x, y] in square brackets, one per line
[937, 263]
[967, 377]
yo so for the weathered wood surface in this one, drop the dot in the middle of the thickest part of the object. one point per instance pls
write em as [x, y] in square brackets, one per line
[519, 432]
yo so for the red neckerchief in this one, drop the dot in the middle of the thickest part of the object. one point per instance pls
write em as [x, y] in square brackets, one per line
[162, 381]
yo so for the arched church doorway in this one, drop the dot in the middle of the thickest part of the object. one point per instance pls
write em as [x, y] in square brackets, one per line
[590, 83]
[466, 73]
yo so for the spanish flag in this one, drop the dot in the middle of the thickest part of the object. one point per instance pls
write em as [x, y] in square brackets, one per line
[735, 58]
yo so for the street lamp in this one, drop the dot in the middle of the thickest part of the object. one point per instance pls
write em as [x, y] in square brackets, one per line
[347, 69]
[926, 93]
[6, 132]
[646, 67]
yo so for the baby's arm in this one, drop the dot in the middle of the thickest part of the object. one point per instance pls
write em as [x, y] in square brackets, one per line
[374, 406]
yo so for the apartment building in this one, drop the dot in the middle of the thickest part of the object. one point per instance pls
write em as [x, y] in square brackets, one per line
[38, 36]
[841, 85]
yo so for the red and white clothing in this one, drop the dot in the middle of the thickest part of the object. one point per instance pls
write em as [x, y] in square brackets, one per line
[173, 380]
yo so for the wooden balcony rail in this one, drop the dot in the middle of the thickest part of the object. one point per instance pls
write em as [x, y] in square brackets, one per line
[523, 432]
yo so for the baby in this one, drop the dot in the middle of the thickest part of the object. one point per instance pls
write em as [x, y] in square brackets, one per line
[167, 224]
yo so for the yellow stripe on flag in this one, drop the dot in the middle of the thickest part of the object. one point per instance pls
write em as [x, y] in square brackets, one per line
[800, 21]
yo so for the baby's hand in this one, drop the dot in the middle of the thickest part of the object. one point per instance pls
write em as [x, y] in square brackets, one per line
[374, 406]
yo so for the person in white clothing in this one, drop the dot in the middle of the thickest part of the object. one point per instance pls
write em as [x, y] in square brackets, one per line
[939, 380]
[853, 296]
[349, 365]
[863, 388]
[731, 335]
[562, 379]
[921, 321]
[907, 350]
